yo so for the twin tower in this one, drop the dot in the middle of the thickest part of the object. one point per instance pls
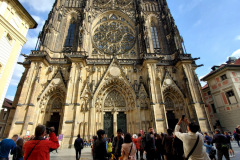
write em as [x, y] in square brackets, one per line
[107, 64]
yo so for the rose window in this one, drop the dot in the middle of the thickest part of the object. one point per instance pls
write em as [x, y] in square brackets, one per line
[113, 35]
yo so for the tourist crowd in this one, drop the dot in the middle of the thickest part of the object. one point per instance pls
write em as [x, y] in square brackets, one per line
[174, 145]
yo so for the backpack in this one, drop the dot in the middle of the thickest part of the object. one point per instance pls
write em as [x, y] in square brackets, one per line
[213, 152]
[143, 142]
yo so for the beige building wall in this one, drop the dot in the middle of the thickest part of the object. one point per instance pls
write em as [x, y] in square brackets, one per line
[14, 25]
[223, 94]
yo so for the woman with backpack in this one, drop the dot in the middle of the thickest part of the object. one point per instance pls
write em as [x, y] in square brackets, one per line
[18, 152]
[128, 148]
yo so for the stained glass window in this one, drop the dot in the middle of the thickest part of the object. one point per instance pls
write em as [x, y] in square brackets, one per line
[70, 36]
[113, 36]
[155, 37]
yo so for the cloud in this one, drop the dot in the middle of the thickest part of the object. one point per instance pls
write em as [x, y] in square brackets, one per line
[31, 42]
[39, 5]
[237, 38]
[17, 74]
[189, 6]
[197, 23]
[40, 22]
[236, 53]
[10, 97]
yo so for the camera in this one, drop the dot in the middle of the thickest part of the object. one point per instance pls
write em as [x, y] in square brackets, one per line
[183, 116]
[48, 130]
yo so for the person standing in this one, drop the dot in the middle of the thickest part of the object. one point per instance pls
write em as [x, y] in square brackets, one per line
[117, 144]
[192, 141]
[38, 148]
[18, 152]
[209, 149]
[109, 148]
[99, 146]
[167, 144]
[6, 145]
[78, 145]
[237, 135]
[128, 148]
[150, 144]
[221, 144]
[135, 141]
[139, 146]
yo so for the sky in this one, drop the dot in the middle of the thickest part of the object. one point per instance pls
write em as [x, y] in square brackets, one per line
[210, 29]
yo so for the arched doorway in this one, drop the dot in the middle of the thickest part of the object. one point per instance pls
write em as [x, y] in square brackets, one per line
[113, 119]
[53, 117]
[174, 106]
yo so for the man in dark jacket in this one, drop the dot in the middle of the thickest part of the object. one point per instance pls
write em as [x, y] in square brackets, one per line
[150, 144]
[117, 144]
[221, 144]
[167, 144]
[78, 145]
[99, 147]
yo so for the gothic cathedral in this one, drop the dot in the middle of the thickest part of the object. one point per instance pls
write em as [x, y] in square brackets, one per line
[107, 64]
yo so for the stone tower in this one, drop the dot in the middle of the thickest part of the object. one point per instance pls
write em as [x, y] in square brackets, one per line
[108, 64]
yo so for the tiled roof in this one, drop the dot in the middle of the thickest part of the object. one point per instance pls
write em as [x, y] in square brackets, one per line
[236, 64]
[204, 87]
[7, 103]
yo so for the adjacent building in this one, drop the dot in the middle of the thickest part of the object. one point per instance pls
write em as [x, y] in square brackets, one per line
[14, 24]
[108, 64]
[4, 115]
[222, 94]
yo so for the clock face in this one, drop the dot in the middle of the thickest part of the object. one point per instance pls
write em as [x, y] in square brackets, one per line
[113, 35]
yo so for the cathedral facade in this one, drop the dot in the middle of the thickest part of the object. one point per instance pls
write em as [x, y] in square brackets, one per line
[107, 64]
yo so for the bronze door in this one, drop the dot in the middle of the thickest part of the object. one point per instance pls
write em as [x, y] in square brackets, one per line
[108, 123]
[122, 122]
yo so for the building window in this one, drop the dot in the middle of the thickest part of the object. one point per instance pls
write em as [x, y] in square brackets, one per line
[70, 35]
[155, 37]
[231, 97]
[214, 108]
[209, 93]
[1, 130]
[4, 116]
[223, 77]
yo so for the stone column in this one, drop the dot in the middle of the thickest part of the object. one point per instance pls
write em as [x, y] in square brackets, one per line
[159, 116]
[92, 121]
[22, 114]
[115, 122]
[196, 97]
[69, 109]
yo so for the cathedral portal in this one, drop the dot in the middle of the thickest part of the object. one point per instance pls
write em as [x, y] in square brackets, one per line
[107, 64]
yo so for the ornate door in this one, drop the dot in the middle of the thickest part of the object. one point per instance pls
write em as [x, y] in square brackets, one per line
[108, 123]
[122, 122]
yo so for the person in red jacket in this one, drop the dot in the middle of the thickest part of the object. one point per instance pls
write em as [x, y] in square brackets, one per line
[135, 141]
[38, 148]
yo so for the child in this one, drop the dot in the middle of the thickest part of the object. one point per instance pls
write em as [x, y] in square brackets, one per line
[109, 148]
[210, 151]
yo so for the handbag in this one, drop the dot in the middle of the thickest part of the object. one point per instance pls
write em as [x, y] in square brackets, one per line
[32, 150]
[193, 149]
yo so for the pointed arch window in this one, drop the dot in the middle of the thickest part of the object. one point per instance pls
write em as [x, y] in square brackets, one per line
[154, 36]
[70, 35]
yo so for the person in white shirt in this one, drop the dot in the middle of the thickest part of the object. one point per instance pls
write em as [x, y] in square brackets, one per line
[189, 140]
